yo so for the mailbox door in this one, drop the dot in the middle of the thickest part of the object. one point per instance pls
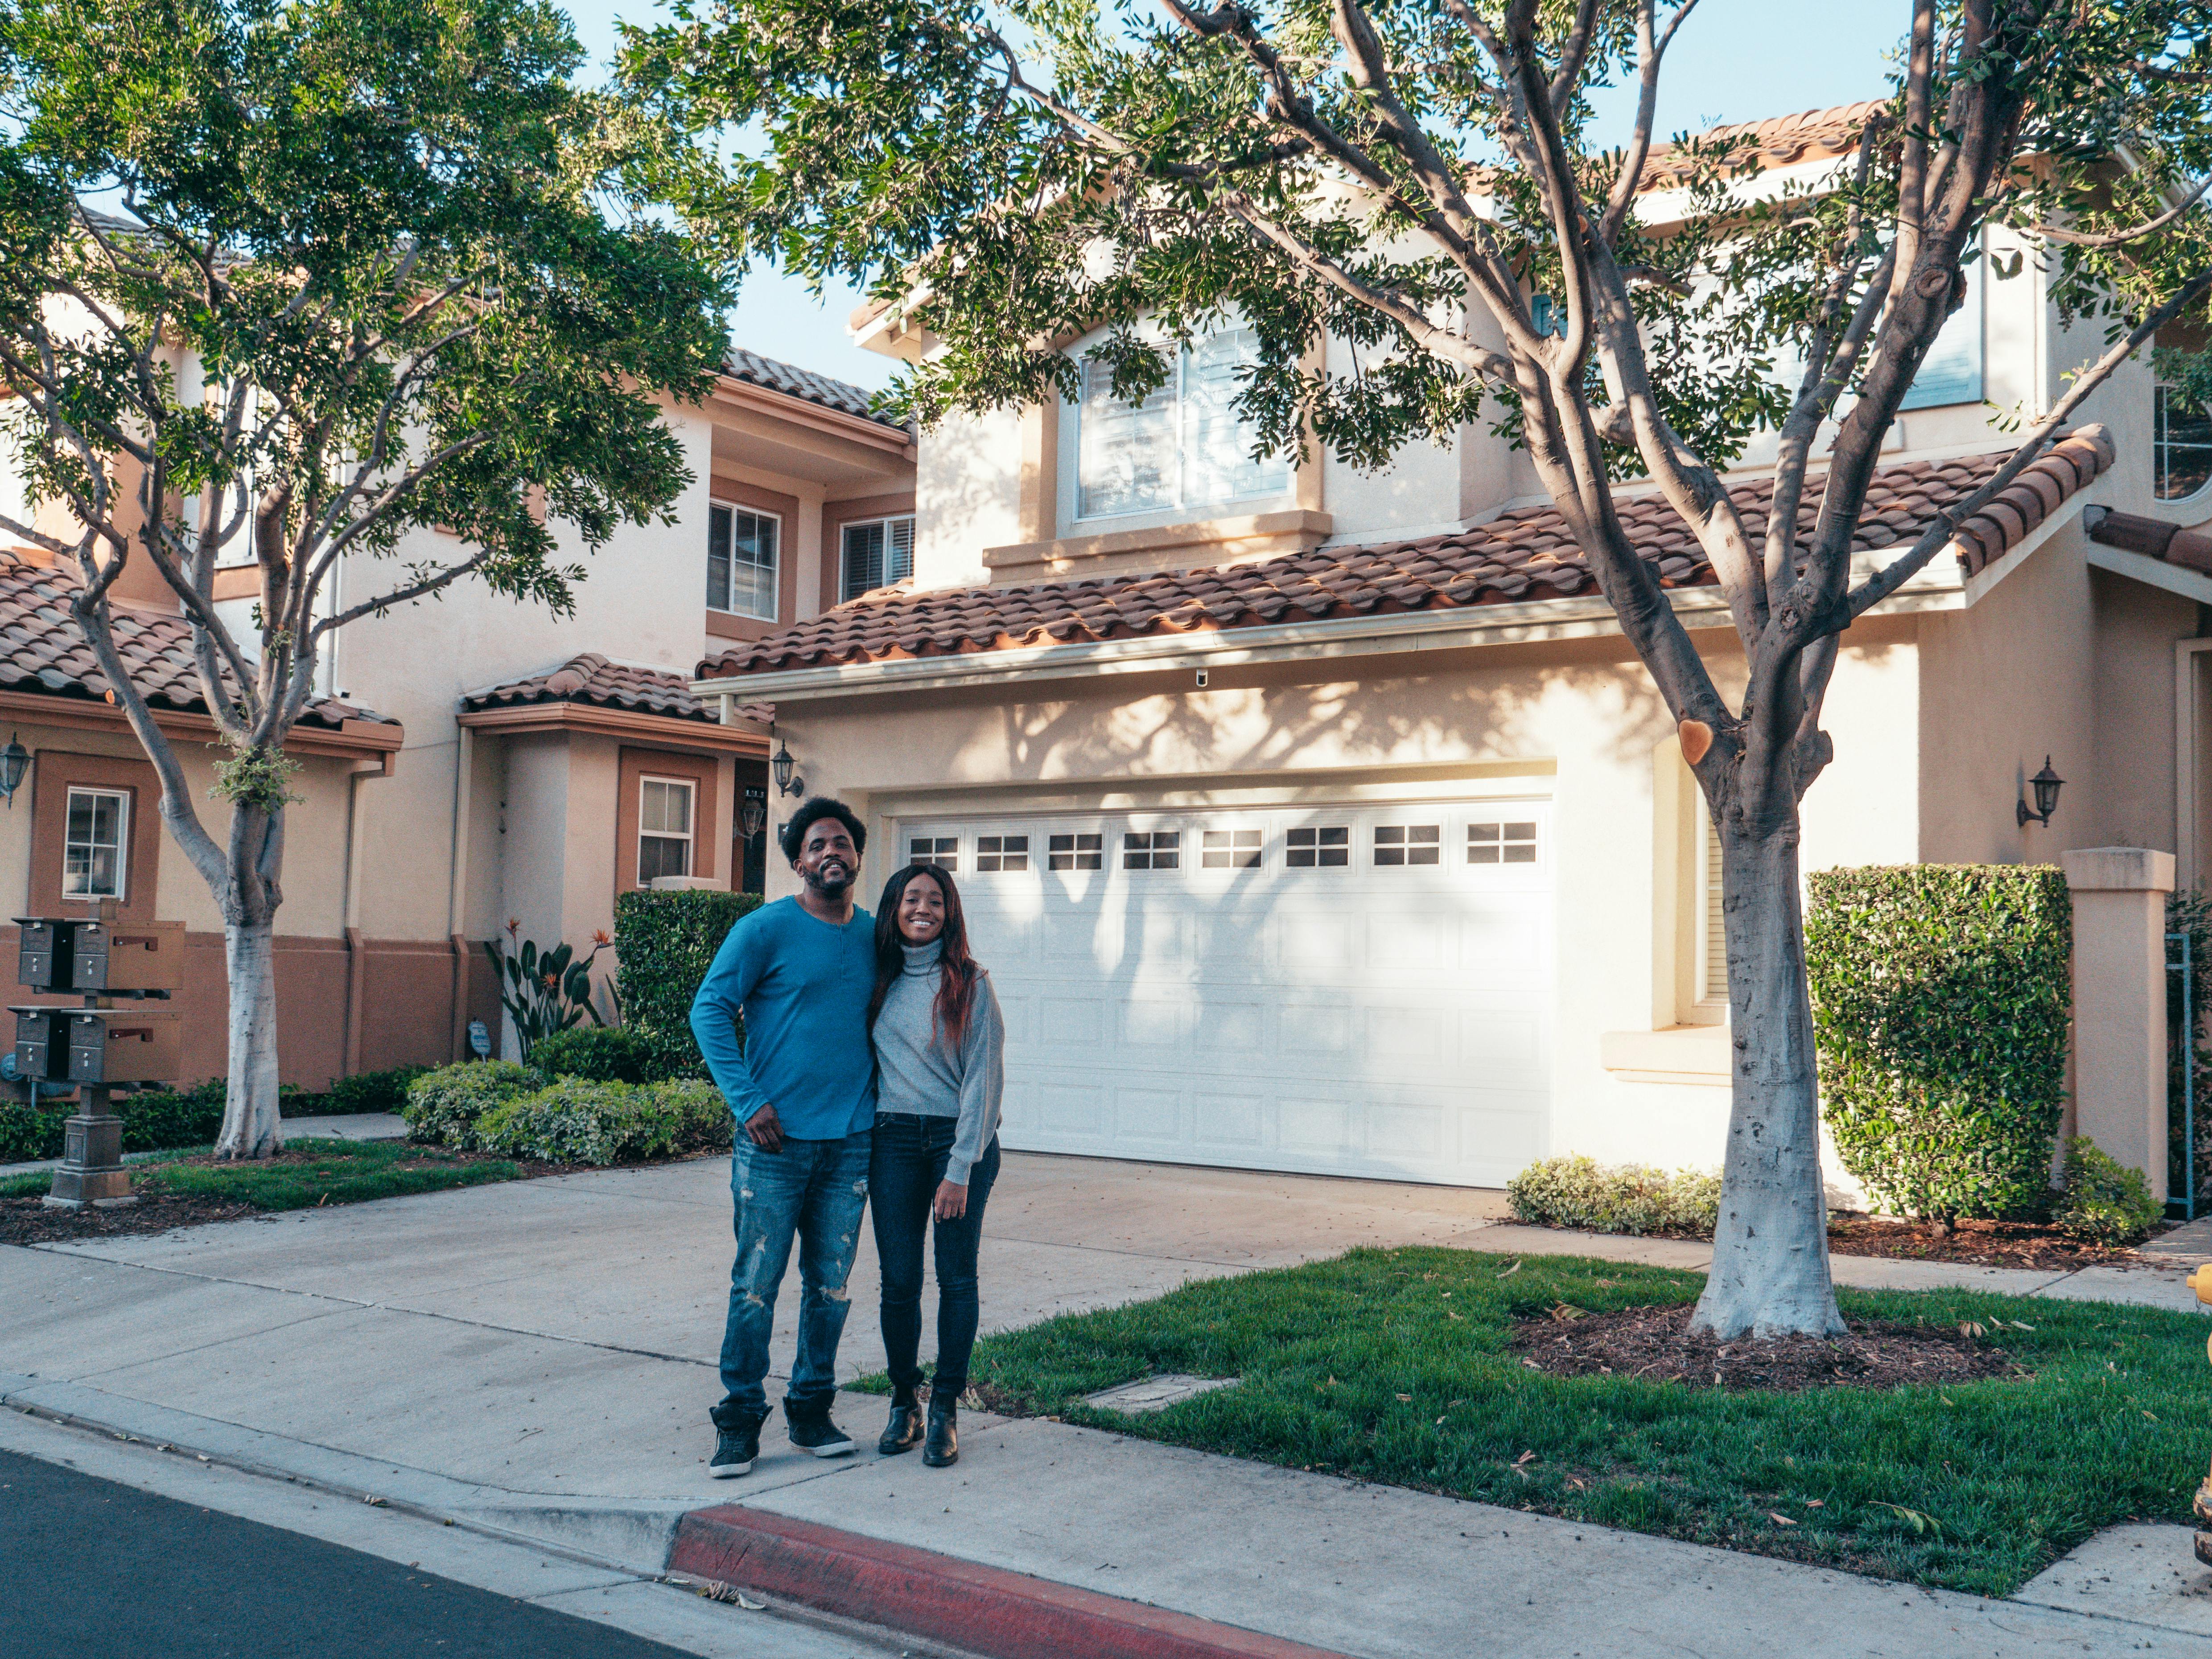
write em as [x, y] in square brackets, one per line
[87, 1049]
[140, 1045]
[42, 952]
[89, 958]
[34, 1045]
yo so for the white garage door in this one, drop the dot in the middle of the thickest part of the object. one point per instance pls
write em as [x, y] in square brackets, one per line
[1358, 991]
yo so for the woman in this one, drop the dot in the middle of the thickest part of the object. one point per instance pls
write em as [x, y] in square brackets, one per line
[940, 1047]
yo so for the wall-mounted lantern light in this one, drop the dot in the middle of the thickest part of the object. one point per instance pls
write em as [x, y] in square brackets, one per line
[783, 765]
[2046, 784]
[751, 816]
[14, 761]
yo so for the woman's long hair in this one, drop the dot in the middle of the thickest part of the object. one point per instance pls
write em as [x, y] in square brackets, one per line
[956, 985]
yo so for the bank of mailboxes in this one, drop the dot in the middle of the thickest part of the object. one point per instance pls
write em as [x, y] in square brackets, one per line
[65, 954]
[141, 1044]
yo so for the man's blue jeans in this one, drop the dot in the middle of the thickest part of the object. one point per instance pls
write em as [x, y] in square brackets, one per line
[817, 1190]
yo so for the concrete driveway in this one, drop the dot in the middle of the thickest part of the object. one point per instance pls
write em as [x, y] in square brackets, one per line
[559, 1336]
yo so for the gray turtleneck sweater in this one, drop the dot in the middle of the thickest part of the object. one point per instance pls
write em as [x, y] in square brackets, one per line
[918, 1073]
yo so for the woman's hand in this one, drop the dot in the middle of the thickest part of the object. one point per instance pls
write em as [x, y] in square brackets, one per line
[951, 1201]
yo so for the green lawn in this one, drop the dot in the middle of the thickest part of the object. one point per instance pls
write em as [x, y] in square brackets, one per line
[1391, 1366]
[311, 1172]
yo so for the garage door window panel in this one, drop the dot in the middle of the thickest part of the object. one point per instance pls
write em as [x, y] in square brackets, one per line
[1502, 841]
[1230, 849]
[943, 851]
[1001, 854]
[1078, 849]
[1151, 849]
[1397, 845]
[1319, 847]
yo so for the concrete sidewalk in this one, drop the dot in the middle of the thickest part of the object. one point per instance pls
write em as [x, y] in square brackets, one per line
[534, 1360]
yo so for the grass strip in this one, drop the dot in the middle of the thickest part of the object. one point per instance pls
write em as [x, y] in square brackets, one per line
[1392, 1366]
[311, 1172]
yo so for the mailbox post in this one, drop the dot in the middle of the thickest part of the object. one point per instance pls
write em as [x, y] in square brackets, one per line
[100, 1044]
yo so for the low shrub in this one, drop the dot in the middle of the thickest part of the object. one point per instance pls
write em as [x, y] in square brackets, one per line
[571, 1120]
[372, 1091]
[2104, 1200]
[1629, 1197]
[611, 1053]
[157, 1119]
[31, 1131]
[664, 945]
[1941, 997]
[444, 1105]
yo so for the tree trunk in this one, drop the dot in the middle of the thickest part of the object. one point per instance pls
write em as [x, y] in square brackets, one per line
[249, 1120]
[1770, 1270]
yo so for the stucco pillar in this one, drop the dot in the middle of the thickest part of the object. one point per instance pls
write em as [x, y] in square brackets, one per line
[2119, 1002]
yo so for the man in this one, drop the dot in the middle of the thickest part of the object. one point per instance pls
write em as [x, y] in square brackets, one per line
[802, 1087]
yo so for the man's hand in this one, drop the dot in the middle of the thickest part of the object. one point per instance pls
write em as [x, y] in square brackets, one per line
[766, 1129]
[951, 1201]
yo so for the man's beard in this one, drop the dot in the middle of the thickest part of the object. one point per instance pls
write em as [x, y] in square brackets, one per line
[831, 886]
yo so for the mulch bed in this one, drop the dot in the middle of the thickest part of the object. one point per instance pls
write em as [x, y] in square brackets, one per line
[1657, 1344]
[28, 1221]
[1977, 1243]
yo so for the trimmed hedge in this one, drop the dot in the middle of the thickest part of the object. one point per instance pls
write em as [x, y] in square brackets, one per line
[1940, 1000]
[664, 945]
[443, 1106]
[598, 1053]
[1630, 1198]
[571, 1120]
[371, 1092]
[2105, 1199]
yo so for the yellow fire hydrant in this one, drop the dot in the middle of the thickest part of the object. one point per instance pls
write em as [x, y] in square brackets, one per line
[2201, 1282]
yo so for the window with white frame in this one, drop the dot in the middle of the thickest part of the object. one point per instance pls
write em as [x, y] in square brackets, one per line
[1489, 842]
[1151, 849]
[741, 560]
[1712, 919]
[996, 854]
[1319, 847]
[94, 863]
[1229, 849]
[1409, 843]
[1078, 850]
[877, 553]
[665, 831]
[941, 851]
[1184, 446]
[2181, 443]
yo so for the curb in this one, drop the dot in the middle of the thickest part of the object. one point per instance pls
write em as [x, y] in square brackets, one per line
[990, 1612]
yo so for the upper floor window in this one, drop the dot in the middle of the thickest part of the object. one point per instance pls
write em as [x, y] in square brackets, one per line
[1951, 373]
[878, 552]
[663, 828]
[93, 842]
[1183, 446]
[2181, 445]
[741, 551]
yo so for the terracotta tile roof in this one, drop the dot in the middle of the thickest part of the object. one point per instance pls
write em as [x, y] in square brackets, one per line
[42, 654]
[795, 382]
[1517, 558]
[1812, 135]
[590, 678]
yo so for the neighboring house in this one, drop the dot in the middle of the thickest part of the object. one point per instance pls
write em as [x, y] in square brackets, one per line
[518, 767]
[1321, 821]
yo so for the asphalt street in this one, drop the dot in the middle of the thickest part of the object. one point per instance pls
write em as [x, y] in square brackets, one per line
[88, 1567]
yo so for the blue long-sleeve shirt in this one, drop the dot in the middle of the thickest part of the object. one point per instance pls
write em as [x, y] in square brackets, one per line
[803, 986]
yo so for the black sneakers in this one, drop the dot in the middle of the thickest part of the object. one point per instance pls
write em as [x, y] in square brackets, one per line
[812, 1430]
[737, 1444]
[903, 1432]
[942, 1447]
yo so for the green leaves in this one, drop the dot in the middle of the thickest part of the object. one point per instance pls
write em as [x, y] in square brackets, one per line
[1941, 997]
[665, 943]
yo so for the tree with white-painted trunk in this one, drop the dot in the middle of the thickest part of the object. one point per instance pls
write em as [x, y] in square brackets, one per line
[366, 269]
[1406, 203]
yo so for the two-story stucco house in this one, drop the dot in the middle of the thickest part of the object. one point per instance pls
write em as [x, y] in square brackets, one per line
[473, 761]
[1316, 820]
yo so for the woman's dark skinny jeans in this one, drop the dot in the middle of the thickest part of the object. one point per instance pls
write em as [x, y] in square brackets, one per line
[904, 1168]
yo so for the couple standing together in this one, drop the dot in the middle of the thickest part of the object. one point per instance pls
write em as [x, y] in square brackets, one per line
[872, 1064]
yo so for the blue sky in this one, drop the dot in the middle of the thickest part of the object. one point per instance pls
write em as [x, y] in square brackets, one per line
[1734, 60]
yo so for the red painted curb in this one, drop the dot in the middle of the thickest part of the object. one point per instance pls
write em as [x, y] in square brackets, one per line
[986, 1611]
